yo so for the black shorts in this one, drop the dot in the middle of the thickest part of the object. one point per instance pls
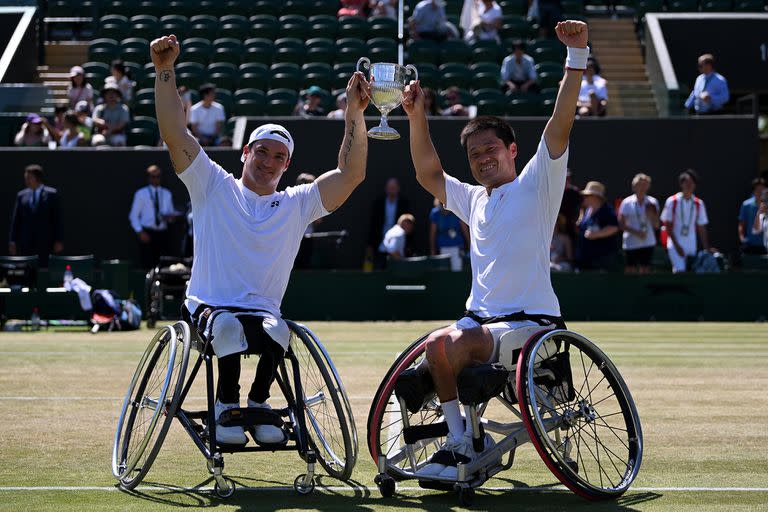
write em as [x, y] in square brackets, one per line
[641, 257]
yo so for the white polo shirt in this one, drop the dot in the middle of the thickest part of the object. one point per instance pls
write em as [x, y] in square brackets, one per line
[687, 215]
[511, 231]
[635, 217]
[245, 244]
[394, 241]
[206, 118]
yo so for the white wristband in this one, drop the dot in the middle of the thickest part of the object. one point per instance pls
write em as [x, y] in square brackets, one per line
[577, 58]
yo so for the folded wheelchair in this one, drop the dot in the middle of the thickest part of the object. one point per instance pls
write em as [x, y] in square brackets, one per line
[556, 389]
[317, 420]
[165, 286]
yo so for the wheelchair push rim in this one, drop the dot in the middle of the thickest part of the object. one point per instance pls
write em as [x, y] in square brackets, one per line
[589, 436]
[156, 387]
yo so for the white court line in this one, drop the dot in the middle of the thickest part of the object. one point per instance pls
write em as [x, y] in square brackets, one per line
[116, 398]
[671, 353]
[366, 488]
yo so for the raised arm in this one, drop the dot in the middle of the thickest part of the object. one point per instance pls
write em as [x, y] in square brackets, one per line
[182, 146]
[574, 35]
[336, 185]
[429, 170]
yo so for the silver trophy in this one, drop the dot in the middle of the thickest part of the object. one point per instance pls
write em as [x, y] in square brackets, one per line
[387, 85]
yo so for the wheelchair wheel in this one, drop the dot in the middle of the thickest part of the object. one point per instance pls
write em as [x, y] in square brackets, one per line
[150, 404]
[330, 424]
[579, 414]
[385, 420]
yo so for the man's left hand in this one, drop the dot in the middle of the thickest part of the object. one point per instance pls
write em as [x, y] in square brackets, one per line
[358, 92]
[572, 33]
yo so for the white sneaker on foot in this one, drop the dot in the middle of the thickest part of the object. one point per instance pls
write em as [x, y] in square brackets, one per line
[451, 472]
[453, 451]
[228, 435]
[267, 434]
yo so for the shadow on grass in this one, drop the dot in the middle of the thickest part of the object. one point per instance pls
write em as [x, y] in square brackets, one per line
[252, 494]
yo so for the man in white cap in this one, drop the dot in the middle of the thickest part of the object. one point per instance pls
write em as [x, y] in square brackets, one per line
[247, 234]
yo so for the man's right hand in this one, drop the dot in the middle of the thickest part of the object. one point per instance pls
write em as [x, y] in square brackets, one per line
[413, 99]
[144, 237]
[164, 51]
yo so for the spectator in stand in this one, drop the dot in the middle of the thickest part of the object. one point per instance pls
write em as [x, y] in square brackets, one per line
[518, 71]
[121, 79]
[561, 248]
[593, 97]
[207, 117]
[33, 133]
[312, 105]
[639, 218]
[352, 8]
[710, 91]
[36, 219]
[79, 89]
[384, 214]
[596, 248]
[387, 8]
[341, 107]
[151, 212]
[685, 220]
[751, 243]
[487, 24]
[85, 125]
[394, 243]
[453, 104]
[760, 225]
[447, 235]
[71, 136]
[430, 102]
[429, 21]
[548, 13]
[58, 117]
[110, 118]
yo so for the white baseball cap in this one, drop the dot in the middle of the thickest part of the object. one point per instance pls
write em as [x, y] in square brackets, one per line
[272, 132]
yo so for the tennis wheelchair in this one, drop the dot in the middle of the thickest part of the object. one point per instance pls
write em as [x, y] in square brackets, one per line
[317, 420]
[166, 286]
[554, 388]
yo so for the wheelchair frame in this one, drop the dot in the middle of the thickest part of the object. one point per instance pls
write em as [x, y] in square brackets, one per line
[526, 407]
[156, 289]
[201, 425]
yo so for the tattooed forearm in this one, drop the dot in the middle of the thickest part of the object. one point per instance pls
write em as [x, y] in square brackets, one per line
[188, 154]
[165, 75]
[350, 140]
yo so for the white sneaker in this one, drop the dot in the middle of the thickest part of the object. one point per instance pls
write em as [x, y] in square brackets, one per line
[453, 451]
[228, 435]
[266, 434]
[451, 472]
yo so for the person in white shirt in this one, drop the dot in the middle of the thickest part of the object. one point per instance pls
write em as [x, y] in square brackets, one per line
[593, 96]
[511, 218]
[151, 211]
[761, 220]
[639, 218]
[247, 234]
[207, 117]
[685, 221]
[393, 244]
[488, 22]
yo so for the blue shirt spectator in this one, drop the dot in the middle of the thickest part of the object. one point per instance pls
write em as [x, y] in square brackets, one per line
[429, 20]
[597, 245]
[751, 242]
[518, 70]
[447, 235]
[710, 91]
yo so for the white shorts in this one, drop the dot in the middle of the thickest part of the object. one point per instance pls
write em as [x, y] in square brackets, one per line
[497, 330]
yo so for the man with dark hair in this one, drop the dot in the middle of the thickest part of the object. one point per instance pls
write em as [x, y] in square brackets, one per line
[151, 211]
[36, 219]
[384, 214]
[511, 218]
[518, 71]
[207, 117]
[710, 91]
[685, 220]
[751, 243]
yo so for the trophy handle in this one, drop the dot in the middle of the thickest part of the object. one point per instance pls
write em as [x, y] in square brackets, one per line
[410, 68]
[365, 62]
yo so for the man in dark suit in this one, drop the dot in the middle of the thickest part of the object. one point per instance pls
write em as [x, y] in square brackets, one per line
[386, 210]
[36, 219]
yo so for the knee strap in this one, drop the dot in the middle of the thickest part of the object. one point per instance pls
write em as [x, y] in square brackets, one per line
[226, 334]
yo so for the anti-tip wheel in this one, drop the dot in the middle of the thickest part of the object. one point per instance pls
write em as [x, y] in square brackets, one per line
[226, 490]
[303, 488]
[386, 485]
[466, 496]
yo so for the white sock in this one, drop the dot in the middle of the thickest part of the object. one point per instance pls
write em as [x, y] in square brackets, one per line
[453, 418]
[468, 419]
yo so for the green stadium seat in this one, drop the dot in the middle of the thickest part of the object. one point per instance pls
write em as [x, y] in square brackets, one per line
[487, 51]
[254, 75]
[285, 75]
[382, 26]
[204, 26]
[113, 24]
[717, 6]
[260, 50]
[126, 8]
[573, 6]
[265, 26]
[749, 6]
[287, 50]
[518, 7]
[144, 94]
[683, 6]
[321, 49]
[342, 72]
[60, 9]
[148, 122]
[515, 26]
[429, 75]
[464, 97]
[96, 72]
[382, 49]
[227, 49]
[325, 26]
[349, 49]
[175, 24]
[522, 107]
[144, 107]
[249, 107]
[281, 102]
[454, 51]
[550, 93]
[293, 25]
[490, 107]
[234, 26]
[135, 70]
[215, 8]
[250, 94]
[103, 50]
[134, 49]
[644, 6]
[485, 75]
[353, 27]
[423, 51]
[224, 96]
[547, 50]
[302, 7]
[185, 8]
[489, 94]
[317, 73]
[328, 7]
[555, 68]
[145, 26]
[455, 74]
[548, 79]
[267, 7]
[547, 107]
[223, 74]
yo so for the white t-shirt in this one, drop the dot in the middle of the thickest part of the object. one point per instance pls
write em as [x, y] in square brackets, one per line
[394, 241]
[598, 85]
[511, 231]
[245, 244]
[686, 217]
[489, 15]
[206, 118]
[763, 223]
[635, 217]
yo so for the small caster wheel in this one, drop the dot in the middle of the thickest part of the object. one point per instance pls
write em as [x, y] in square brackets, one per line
[386, 485]
[303, 488]
[209, 466]
[466, 496]
[226, 489]
[573, 465]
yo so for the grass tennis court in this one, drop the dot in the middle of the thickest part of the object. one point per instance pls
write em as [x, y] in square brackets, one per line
[699, 388]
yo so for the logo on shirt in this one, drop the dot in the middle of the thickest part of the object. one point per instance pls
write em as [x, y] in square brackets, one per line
[274, 204]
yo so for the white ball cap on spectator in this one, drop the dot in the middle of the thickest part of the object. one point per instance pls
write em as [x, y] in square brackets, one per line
[272, 132]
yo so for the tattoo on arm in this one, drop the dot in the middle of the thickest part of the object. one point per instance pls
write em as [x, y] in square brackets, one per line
[351, 135]
[189, 155]
[165, 75]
